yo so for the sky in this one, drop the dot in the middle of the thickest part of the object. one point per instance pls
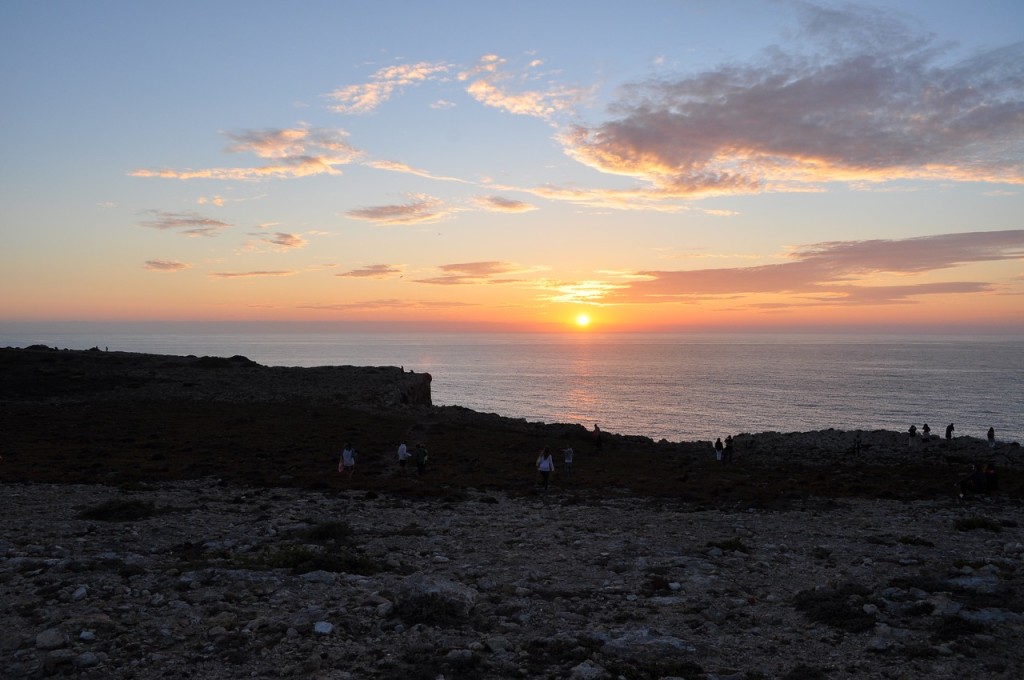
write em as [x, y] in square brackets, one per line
[650, 166]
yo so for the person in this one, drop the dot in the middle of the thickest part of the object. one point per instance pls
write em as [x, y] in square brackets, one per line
[718, 449]
[728, 450]
[949, 431]
[421, 458]
[926, 431]
[991, 438]
[857, 443]
[597, 437]
[546, 465]
[403, 455]
[567, 451]
[347, 464]
[972, 483]
[913, 436]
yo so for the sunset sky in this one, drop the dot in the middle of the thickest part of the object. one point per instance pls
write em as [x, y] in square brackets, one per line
[664, 165]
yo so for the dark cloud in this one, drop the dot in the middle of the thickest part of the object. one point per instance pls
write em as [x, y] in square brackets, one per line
[877, 100]
[828, 272]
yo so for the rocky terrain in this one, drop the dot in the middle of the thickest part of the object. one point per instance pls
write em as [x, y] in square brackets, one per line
[187, 520]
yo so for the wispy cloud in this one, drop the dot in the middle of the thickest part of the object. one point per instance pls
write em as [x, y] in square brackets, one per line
[296, 152]
[373, 271]
[391, 303]
[166, 266]
[501, 204]
[421, 209]
[837, 272]
[877, 101]
[468, 273]
[281, 241]
[364, 98]
[250, 275]
[395, 166]
[188, 223]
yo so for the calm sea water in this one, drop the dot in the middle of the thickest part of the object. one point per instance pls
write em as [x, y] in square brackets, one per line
[678, 387]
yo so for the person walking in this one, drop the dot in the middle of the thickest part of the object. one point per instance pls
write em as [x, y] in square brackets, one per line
[568, 453]
[949, 431]
[403, 456]
[546, 465]
[347, 464]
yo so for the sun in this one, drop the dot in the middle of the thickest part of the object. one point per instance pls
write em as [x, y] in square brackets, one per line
[582, 320]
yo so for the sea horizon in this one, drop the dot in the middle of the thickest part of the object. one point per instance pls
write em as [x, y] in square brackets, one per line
[674, 386]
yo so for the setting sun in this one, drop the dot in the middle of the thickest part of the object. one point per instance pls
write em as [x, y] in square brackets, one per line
[582, 320]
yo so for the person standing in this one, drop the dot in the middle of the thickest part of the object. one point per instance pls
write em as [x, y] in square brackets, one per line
[421, 459]
[926, 431]
[568, 460]
[718, 449]
[347, 464]
[949, 431]
[991, 438]
[546, 465]
[403, 455]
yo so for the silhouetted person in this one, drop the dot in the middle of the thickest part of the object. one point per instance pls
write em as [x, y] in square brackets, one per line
[926, 431]
[991, 438]
[856, 443]
[949, 431]
[597, 437]
[727, 452]
[718, 449]
[913, 435]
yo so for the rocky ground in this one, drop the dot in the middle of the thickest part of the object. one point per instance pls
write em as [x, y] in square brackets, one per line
[183, 517]
[198, 579]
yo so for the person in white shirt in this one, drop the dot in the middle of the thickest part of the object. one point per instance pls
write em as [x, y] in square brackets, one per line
[568, 460]
[403, 455]
[546, 465]
[347, 464]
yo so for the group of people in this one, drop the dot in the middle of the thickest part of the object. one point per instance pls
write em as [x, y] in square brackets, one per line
[981, 480]
[723, 452]
[927, 431]
[347, 462]
[546, 464]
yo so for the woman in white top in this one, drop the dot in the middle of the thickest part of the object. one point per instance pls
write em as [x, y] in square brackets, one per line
[348, 460]
[546, 465]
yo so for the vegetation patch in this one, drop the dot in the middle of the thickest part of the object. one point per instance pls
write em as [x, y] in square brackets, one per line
[302, 559]
[119, 511]
[731, 544]
[840, 607]
[972, 523]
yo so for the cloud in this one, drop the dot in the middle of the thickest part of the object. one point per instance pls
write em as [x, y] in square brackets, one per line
[395, 166]
[283, 241]
[166, 266]
[212, 200]
[471, 273]
[190, 223]
[836, 272]
[360, 99]
[491, 86]
[421, 209]
[296, 152]
[500, 204]
[373, 271]
[249, 275]
[876, 101]
[370, 305]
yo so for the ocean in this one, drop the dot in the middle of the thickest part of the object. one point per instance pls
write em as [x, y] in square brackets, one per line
[674, 386]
